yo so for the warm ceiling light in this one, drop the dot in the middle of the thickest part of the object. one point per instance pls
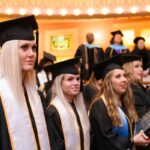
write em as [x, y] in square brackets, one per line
[36, 11]
[22, 11]
[134, 9]
[90, 11]
[119, 10]
[105, 11]
[76, 12]
[49, 12]
[63, 12]
[148, 8]
[9, 11]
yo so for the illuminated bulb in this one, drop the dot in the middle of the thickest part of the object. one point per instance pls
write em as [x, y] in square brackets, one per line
[9, 11]
[134, 9]
[90, 11]
[119, 10]
[49, 12]
[105, 11]
[36, 11]
[76, 12]
[63, 12]
[22, 11]
[148, 8]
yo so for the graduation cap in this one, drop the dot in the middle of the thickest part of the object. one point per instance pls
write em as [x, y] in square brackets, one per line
[49, 56]
[126, 58]
[102, 68]
[65, 67]
[137, 39]
[116, 32]
[19, 29]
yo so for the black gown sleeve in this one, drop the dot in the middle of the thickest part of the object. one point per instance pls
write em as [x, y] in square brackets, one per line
[141, 99]
[78, 51]
[4, 136]
[101, 127]
[55, 129]
[108, 52]
[100, 54]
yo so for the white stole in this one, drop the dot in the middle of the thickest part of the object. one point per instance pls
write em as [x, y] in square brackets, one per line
[71, 133]
[19, 123]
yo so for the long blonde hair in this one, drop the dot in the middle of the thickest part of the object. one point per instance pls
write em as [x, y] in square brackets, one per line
[57, 91]
[112, 108]
[10, 70]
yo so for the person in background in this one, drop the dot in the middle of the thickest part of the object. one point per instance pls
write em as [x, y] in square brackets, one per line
[44, 79]
[112, 114]
[42, 76]
[141, 50]
[22, 121]
[90, 55]
[116, 45]
[134, 71]
[67, 118]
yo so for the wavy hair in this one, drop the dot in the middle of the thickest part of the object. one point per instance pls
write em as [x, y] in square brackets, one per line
[110, 101]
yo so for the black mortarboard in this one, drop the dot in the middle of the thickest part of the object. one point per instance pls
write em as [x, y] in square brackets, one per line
[49, 56]
[137, 39]
[19, 29]
[102, 68]
[64, 67]
[117, 32]
[126, 58]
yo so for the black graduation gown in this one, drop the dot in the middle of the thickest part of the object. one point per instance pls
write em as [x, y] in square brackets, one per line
[141, 98]
[142, 103]
[109, 52]
[81, 53]
[89, 94]
[101, 130]
[4, 135]
[55, 129]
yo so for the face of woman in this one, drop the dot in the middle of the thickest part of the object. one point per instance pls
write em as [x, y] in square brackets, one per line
[119, 81]
[27, 55]
[117, 39]
[71, 85]
[137, 70]
[141, 44]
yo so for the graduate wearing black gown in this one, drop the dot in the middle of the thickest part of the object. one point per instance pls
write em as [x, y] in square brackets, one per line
[22, 121]
[116, 45]
[141, 95]
[65, 132]
[90, 55]
[114, 92]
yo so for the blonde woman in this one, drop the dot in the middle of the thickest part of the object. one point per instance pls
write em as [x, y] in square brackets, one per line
[112, 115]
[22, 122]
[67, 119]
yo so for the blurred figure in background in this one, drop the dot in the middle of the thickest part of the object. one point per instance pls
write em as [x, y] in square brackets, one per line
[90, 55]
[116, 45]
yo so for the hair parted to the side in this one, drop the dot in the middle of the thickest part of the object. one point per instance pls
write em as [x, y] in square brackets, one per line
[11, 71]
[57, 91]
[112, 107]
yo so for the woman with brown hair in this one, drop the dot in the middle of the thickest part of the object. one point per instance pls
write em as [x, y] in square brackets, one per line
[112, 114]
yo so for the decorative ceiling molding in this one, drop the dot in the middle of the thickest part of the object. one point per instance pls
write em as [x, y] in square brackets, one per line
[74, 7]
